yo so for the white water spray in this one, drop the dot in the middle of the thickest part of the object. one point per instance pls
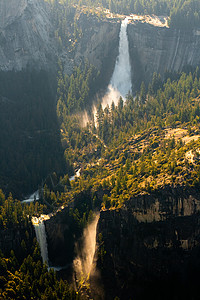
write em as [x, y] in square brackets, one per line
[120, 84]
[34, 197]
[78, 174]
[39, 226]
[84, 263]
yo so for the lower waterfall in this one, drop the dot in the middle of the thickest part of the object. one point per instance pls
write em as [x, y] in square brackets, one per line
[84, 262]
[34, 197]
[40, 231]
[39, 226]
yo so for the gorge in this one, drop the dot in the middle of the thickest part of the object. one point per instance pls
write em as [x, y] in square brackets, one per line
[126, 224]
[29, 43]
[120, 85]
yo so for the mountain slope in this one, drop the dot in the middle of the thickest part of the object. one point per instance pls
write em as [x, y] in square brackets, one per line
[26, 35]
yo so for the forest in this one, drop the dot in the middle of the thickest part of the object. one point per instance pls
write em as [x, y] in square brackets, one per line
[129, 153]
[132, 137]
[146, 143]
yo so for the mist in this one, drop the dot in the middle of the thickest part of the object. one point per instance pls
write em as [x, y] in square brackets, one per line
[84, 263]
[120, 84]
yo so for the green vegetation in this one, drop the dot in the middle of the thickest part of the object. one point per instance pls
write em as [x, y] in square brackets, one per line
[148, 141]
[140, 146]
[22, 273]
[166, 103]
[30, 279]
[74, 92]
[13, 214]
[184, 14]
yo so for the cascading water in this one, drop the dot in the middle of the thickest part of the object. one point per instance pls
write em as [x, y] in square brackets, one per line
[34, 197]
[121, 78]
[84, 262]
[120, 84]
[39, 226]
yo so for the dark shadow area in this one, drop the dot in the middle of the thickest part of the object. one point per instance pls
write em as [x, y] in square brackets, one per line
[156, 259]
[30, 146]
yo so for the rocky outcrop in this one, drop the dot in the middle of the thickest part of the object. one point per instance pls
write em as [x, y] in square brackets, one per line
[27, 39]
[61, 238]
[165, 203]
[26, 35]
[98, 44]
[158, 49]
[141, 259]
[141, 255]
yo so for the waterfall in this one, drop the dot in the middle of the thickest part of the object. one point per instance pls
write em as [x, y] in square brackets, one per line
[77, 174]
[120, 83]
[121, 78]
[40, 231]
[34, 197]
[84, 262]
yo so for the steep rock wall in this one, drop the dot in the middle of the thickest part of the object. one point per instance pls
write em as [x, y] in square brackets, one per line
[98, 44]
[150, 245]
[143, 255]
[60, 238]
[27, 38]
[26, 35]
[156, 49]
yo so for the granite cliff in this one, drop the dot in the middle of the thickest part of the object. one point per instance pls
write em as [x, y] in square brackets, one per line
[161, 49]
[26, 35]
[98, 44]
[151, 246]
[27, 38]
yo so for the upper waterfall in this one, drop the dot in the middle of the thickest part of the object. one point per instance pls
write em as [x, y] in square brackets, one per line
[120, 83]
[121, 78]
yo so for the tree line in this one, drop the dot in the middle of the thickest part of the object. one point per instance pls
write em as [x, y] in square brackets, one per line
[184, 14]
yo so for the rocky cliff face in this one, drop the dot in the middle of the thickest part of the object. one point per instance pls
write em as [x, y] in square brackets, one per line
[151, 246]
[27, 38]
[26, 35]
[156, 49]
[98, 44]
[61, 239]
